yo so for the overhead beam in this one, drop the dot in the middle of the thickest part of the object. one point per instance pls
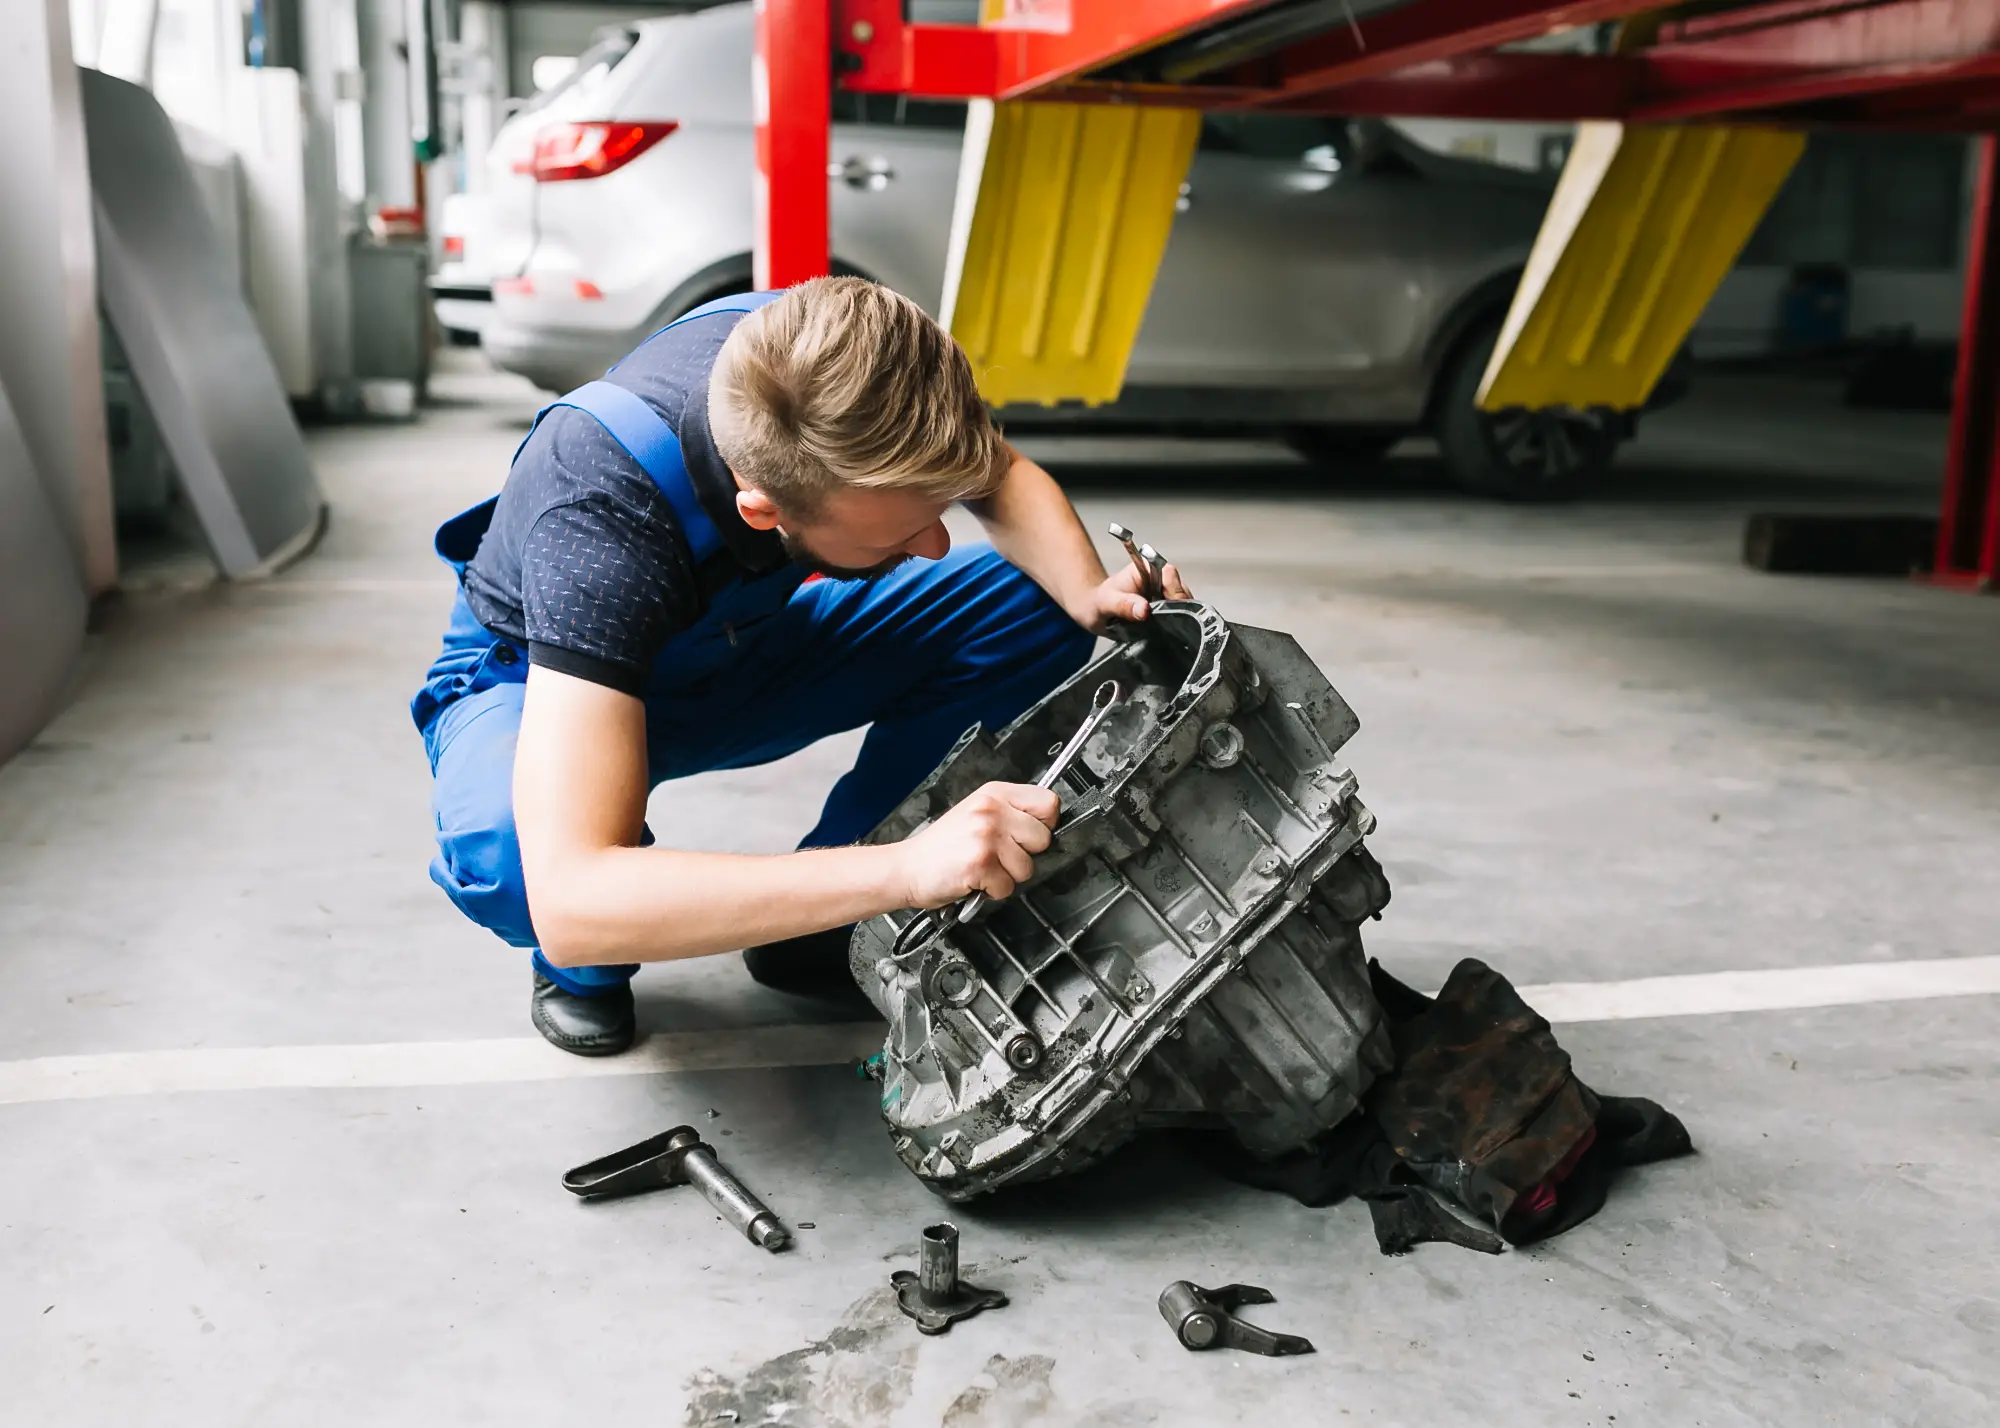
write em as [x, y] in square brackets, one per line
[1419, 33]
[1031, 49]
[1910, 62]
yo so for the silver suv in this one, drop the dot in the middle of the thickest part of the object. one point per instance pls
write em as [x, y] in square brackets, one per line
[1328, 281]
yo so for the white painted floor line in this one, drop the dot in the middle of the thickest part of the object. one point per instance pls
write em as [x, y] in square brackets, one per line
[1777, 989]
[423, 1063]
[529, 1058]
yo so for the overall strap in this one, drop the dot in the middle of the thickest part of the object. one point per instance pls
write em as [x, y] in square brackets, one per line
[644, 433]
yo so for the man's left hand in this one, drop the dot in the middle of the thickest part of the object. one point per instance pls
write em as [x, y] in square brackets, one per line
[1120, 598]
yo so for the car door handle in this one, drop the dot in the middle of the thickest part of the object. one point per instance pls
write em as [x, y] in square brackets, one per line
[872, 174]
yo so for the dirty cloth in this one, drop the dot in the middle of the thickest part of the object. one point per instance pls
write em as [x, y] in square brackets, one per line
[1482, 1108]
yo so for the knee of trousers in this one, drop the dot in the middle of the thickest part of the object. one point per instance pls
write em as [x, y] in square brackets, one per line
[480, 871]
[478, 862]
[1045, 637]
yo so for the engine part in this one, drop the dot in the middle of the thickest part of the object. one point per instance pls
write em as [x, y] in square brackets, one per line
[1203, 1319]
[1187, 951]
[934, 1295]
[680, 1157]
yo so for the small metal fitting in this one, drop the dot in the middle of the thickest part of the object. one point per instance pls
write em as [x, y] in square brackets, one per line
[934, 1295]
[1202, 1319]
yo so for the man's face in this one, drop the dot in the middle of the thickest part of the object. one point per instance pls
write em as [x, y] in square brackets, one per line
[856, 535]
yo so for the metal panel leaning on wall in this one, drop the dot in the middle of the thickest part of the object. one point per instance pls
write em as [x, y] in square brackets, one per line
[42, 602]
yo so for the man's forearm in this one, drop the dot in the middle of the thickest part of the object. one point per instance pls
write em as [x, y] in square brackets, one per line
[1031, 522]
[660, 904]
[596, 896]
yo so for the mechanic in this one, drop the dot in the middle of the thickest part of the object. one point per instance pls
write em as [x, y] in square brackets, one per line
[730, 547]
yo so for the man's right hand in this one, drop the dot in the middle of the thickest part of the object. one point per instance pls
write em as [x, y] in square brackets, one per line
[985, 844]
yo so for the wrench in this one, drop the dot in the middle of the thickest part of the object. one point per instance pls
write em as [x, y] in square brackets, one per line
[933, 924]
[1145, 560]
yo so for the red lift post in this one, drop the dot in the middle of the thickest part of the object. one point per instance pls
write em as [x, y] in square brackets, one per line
[1968, 549]
[791, 91]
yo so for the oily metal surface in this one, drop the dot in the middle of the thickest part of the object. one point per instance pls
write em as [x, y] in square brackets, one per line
[1187, 951]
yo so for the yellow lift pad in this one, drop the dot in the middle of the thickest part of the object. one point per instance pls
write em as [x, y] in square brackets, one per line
[1062, 216]
[1644, 225]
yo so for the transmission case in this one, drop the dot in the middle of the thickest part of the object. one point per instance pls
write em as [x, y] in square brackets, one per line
[1187, 952]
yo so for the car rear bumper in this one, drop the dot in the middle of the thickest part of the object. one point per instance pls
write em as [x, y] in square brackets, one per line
[555, 358]
[462, 309]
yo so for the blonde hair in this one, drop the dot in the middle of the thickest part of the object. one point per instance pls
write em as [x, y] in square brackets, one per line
[843, 382]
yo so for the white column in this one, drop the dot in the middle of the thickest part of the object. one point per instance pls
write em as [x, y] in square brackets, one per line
[48, 285]
[482, 38]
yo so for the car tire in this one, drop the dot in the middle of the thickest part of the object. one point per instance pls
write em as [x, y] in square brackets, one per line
[1344, 445]
[1518, 454]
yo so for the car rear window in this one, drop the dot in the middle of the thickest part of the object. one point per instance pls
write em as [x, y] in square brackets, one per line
[606, 52]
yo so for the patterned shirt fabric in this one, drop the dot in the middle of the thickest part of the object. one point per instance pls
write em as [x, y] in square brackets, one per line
[584, 561]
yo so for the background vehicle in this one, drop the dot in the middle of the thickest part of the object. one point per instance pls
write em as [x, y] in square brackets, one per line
[1328, 281]
[461, 287]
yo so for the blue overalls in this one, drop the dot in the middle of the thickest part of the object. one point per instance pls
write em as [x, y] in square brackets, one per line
[776, 662]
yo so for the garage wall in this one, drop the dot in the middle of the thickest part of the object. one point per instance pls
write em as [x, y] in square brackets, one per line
[1891, 209]
[48, 285]
[56, 541]
[42, 601]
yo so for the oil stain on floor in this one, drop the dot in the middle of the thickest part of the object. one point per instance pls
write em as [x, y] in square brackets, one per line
[860, 1375]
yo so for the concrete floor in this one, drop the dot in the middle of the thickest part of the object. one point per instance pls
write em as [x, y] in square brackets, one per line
[1599, 750]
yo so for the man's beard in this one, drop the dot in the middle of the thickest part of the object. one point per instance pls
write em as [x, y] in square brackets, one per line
[801, 554]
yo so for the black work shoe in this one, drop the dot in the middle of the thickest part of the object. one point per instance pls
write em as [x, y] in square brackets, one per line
[600, 1025]
[814, 965]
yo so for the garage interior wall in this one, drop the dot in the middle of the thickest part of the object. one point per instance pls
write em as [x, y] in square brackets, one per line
[56, 541]
[49, 359]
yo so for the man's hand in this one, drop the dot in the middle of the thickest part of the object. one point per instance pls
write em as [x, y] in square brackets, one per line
[1120, 598]
[1031, 523]
[985, 844]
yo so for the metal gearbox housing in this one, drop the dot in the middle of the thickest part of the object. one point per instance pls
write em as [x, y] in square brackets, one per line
[1187, 952]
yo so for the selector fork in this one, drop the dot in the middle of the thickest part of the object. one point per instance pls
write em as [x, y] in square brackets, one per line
[1203, 1319]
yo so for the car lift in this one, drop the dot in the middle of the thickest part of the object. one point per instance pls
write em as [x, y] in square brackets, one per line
[1779, 64]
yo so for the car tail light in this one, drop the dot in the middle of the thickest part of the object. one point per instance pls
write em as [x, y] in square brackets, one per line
[581, 151]
[587, 290]
[454, 245]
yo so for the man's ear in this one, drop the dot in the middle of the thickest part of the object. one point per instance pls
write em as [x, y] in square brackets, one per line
[757, 509]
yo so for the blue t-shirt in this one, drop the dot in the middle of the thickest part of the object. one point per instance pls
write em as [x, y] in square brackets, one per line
[584, 562]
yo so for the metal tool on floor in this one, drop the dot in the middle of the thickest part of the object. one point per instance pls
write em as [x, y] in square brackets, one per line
[1205, 1319]
[927, 927]
[934, 1295]
[680, 1157]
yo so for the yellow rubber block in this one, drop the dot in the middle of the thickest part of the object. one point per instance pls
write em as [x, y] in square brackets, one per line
[1644, 224]
[1063, 214]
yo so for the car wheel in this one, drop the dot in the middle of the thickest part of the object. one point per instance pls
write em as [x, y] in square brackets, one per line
[1518, 454]
[1343, 445]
